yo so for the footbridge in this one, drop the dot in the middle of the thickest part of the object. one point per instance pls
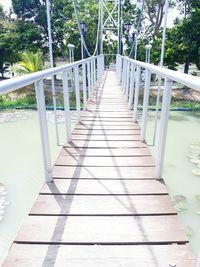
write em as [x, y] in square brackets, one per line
[104, 201]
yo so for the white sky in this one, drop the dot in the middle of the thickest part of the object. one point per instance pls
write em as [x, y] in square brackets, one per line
[172, 13]
[6, 4]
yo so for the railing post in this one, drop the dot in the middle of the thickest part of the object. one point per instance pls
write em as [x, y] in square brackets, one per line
[89, 79]
[84, 86]
[103, 65]
[132, 83]
[145, 104]
[77, 89]
[123, 74]
[66, 105]
[120, 69]
[137, 90]
[163, 127]
[39, 88]
[94, 67]
[99, 67]
[92, 74]
[127, 80]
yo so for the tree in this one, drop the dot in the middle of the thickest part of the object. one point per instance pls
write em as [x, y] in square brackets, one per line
[30, 62]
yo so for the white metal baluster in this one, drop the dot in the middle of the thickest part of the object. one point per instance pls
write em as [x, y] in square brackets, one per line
[137, 90]
[66, 105]
[163, 127]
[39, 89]
[198, 261]
[145, 104]
[99, 62]
[123, 74]
[77, 88]
[94, 67]
[52, 65]
[89, 79]
[128, 80]
[84, 86]
[120, 69]
[132, 83]
[92, 73]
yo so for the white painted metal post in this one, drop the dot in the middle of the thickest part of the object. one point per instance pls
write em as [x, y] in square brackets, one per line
[92, 75]
[52, 65]
[198, 261]
[145, 104]
[120, 69]
[131, 91]
[89, 79]
[163, 127]
[39, 88]
[137, 90]
[94, 68]
[123, 71]
[103, 65]
[99, 63]
[124, 76]
[127, 80]
[84, 86]
[66, 105]
[77, 89]
[161, 64]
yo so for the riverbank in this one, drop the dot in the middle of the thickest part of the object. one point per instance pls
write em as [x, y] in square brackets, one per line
[182, 99]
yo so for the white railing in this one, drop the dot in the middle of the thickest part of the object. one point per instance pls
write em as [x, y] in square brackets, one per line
[129, 74]
[88, 71]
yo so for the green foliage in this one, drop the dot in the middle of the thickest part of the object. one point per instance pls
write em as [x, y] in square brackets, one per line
[30, 62]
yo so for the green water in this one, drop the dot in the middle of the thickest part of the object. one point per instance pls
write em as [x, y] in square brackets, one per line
[21, 168]
[183, 130]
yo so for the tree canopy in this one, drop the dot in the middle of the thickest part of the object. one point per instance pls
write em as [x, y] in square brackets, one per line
[28, 30]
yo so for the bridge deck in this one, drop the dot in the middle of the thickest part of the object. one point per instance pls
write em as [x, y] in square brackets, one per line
[104, 207]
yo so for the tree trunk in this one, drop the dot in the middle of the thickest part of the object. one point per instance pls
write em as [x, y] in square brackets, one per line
[186, 67]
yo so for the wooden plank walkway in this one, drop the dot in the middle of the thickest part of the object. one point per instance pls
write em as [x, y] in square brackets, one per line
[104, 208]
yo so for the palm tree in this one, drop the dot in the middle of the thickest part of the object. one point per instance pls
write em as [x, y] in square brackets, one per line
[30, 62]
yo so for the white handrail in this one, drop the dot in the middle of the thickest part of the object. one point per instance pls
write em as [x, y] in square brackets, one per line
[19, 82]
[176, 76]
[89, 79]
[169, 76]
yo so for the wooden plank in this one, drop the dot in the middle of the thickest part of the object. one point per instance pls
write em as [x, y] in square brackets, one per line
[103, 115]
[103, 229]
[106, 119]
[104, 187]
[101, 205]
[104, 172]
[107, 127]
[106, 152]
[106, 137]
[105, 144]
[141, 161]
[21, 255]
[111, 132]
[105, 123]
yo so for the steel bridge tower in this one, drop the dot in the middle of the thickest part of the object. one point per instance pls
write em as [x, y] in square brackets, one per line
[111, 21]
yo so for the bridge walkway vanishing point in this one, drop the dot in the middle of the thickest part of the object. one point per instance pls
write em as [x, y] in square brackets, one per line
[104, 208]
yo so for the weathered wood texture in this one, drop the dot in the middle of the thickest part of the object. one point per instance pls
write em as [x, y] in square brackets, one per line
[104, 207]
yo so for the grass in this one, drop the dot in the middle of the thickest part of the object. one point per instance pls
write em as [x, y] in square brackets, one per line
[29, 101]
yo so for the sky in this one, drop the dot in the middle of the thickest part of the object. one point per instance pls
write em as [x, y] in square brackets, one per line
[171, 16]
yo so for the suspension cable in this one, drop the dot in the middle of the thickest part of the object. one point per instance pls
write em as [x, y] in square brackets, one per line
[80, 30]
[137, 31]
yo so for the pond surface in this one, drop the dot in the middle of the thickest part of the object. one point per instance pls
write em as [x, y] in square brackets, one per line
[21, 168]
[183, 137]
